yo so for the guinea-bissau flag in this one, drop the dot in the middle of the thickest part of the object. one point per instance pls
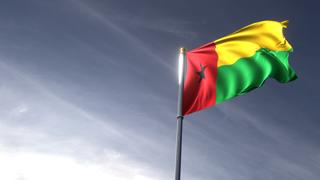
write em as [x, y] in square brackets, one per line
[236, 64]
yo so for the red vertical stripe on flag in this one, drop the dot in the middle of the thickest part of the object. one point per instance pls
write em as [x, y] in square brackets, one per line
[200, 81]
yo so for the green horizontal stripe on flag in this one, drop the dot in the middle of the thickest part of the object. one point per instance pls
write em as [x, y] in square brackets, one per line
[251, 72]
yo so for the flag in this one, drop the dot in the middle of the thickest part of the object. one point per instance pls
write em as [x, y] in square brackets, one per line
[236, 64]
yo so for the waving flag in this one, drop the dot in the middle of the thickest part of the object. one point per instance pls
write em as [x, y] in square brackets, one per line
[236, 64]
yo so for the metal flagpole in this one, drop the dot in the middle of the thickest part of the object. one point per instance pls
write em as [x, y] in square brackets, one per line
[182, 69]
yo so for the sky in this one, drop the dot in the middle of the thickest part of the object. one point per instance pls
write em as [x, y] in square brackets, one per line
[88, 90]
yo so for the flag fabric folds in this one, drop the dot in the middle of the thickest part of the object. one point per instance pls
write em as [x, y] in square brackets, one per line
[236, 64]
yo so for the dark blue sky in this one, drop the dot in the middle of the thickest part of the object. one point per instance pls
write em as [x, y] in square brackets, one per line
[88, 90]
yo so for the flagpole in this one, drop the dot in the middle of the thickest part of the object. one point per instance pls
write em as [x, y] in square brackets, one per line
[182, 69]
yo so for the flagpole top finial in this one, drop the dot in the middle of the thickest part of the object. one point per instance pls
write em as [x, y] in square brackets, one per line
[182, 50]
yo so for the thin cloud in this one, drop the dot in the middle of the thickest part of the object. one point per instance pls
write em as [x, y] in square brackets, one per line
[127, 35]
[176, 27]
[50, 122]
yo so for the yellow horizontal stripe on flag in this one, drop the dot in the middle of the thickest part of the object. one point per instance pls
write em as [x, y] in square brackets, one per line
[246, 41]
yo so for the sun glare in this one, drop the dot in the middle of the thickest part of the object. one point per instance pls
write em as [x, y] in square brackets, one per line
[34, 166]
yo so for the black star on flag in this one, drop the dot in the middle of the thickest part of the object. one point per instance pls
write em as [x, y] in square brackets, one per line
[201, 73]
